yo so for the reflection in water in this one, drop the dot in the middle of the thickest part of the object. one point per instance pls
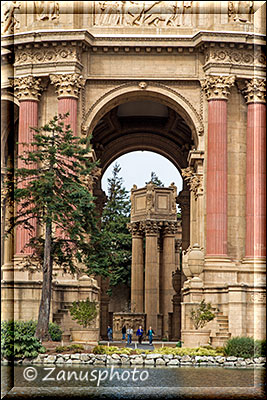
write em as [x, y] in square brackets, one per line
[129, 382]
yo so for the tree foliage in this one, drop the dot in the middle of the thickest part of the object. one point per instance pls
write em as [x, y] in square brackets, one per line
[155, 180]
[116, 237]
[50, 187]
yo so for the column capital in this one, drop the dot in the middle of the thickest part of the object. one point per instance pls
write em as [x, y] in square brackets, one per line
[151, 227]
[170, 228]
[255, 91]
[194, 181]
[135, 229]
[67, 85]
[27, 87]
[217, 87]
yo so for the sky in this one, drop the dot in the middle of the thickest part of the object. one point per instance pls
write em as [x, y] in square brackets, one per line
[136, 168]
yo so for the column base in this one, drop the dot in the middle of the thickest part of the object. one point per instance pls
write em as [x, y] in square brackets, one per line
[219, 270]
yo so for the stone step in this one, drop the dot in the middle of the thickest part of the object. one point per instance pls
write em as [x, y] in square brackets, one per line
[222, 334]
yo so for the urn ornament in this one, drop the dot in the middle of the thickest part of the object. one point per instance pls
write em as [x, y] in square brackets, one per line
[196, 260]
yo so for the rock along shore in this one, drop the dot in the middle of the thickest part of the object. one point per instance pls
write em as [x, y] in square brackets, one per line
[145, 360]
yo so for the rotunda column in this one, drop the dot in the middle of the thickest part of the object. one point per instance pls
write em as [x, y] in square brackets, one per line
[255, 94]
[28, 90]
[152, 277]
[217, 90]
[67, 89]
[167, 269]
[183, 199]
[137, 270]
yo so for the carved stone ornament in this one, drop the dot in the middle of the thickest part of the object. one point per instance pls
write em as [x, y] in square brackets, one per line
[142, 13]
[151, 227]
[255, 91]
[258, 297]
[135, 228]
[240, 11]
[194, 181]
[46, 10]
[217, 87]
[27, 88]
[67, 85]
[9, 22]
[170, 228]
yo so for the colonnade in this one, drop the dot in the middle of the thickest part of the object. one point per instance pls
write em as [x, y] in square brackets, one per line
[151, 275]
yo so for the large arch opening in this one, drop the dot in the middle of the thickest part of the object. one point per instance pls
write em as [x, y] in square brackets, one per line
[142, 121]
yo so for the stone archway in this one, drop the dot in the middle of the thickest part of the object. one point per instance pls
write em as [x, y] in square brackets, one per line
[171, 133]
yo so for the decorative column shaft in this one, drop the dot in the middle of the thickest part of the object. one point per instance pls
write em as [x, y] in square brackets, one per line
[152, 276]
[256, 169]
[183, 199]
[137, 269]
[27, 90]
[167, 269]
[67, 88]
[217, 91]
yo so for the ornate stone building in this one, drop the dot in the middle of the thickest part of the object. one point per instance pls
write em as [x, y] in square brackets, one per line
[185, 79]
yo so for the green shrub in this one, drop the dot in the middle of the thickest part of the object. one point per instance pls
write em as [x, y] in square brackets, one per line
[78, 347]
[18, 341]
[202, 314]
[99, 349]
[55, 332]
[84, 312]
[245, 347]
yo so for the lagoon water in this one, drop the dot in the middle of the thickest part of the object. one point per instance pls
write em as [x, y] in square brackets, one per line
[80, 381]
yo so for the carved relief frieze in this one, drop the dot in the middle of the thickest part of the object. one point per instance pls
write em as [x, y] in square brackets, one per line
[234, 56]
[9, 17]
[217, 87]
[258, 297]
[194, 181]
[240, 11]
[27, 87]
[67, 85]
[143, 13]
[45, 55]
[46, 10]
[255, 91]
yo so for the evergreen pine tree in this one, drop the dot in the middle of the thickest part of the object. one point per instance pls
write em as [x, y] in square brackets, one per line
[155, 180]
[116, 215]
[51, 188]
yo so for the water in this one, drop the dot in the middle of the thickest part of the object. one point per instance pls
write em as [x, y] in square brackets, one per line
[35, 381]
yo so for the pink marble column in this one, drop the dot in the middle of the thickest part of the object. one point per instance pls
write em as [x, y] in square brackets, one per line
[70, 105]
[67, 89]
[27, 90]
[216, 191]
[217, 91]
[256, 170]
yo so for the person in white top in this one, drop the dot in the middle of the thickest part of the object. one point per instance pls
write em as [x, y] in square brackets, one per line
[129, 335]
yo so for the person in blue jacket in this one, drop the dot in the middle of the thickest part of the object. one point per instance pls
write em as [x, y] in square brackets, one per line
[139, 334]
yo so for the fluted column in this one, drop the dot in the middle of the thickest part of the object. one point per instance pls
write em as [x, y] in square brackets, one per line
[137, 270]
[152, 276]
[67, 89]
[167, 269]
[217, 90]
[255, 94]
[27, 90]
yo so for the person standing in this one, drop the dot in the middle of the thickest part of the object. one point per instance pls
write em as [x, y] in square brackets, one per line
[129, 335]
[123, 331]
[109, 332]
[150, 334]
[139, 334]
